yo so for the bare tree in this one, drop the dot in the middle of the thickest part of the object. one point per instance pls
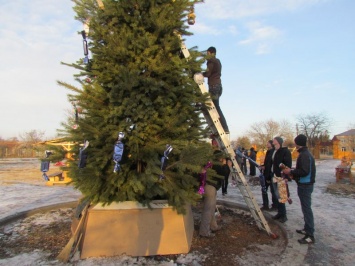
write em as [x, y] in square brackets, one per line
[30, 138]
[287, 133]
[313, 126]
[243, 142]
[351, 126]
[261, 132]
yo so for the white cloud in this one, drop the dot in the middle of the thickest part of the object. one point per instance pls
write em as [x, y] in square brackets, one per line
[236, 9]
[262, 36]
[233, 30]
[221, 14]
[35, 37]
[202, 28]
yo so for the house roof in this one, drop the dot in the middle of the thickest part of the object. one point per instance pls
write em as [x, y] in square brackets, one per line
[350, 132]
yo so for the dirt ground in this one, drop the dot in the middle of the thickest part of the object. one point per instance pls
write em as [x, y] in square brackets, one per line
[26, 235]
[226, 246]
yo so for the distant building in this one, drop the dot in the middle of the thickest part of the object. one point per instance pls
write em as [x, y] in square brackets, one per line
[326, 147]
[344, 145]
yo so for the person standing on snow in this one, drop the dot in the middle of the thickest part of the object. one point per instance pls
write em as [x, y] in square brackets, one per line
[208, 223]
[268, 174]
[304, 174]
[252, 166]
[280, 155]
[227, 163]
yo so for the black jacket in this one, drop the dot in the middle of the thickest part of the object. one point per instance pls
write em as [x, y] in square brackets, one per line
[252, 155]
[268, 163]
[213, 73]
[305, 171]
[282, 155]
[222, 170]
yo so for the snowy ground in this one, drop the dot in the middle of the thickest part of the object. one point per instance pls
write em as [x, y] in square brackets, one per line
[334, 223]
[334, 215]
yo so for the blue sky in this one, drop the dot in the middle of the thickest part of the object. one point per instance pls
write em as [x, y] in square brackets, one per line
[281, 58]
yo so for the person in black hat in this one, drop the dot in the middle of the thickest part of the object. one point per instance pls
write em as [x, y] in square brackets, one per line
[213, 73]
[280, 155]
[304, 174]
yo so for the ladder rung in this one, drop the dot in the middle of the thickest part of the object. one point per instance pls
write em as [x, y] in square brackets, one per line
[212, 118]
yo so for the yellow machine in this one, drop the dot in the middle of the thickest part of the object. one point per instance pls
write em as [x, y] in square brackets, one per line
[60, 177]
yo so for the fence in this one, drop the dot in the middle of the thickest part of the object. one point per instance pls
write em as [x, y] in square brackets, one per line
[17, 152]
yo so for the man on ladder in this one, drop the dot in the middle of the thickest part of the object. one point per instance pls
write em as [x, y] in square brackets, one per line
[213, 73]
[213, 119]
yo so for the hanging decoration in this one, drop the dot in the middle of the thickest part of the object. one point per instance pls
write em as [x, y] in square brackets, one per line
[118, 152]
[164, 160]
[85, 47]
[100, 3]
[191, 16]
[76, 114]
[203, 178]
[83, 155]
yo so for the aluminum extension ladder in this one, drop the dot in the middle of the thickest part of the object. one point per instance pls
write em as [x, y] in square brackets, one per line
[211, 115]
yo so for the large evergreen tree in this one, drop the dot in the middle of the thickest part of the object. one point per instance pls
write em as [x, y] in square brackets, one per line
[137, 82]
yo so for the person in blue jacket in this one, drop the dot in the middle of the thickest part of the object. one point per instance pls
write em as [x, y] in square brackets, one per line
[304, 174]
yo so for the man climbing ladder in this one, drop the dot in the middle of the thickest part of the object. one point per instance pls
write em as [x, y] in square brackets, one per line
[213, 73]
[212, 117]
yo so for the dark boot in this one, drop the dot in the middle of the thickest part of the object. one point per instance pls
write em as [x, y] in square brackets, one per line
[283, 219]
[265, 208]
[273, 207]
[265, 201]
[277, 216]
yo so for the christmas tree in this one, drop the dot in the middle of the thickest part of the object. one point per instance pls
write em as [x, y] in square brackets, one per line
[134, 80]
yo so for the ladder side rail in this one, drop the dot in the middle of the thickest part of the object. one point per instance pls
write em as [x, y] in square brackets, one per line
[213, 121]
[244, 188]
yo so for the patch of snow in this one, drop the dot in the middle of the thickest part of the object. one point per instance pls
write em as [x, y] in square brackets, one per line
[333, 214]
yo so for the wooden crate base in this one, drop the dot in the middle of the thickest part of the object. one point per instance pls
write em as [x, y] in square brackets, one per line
[131, 229]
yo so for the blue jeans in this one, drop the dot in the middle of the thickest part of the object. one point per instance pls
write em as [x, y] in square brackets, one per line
[305, 194]
[275, 201]
[281, 207]
[216, 92]
[264, 188]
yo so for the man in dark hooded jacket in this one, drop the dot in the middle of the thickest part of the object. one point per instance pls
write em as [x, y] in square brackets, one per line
[304, 174]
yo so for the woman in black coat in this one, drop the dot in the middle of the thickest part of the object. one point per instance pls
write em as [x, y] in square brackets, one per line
[252, 167]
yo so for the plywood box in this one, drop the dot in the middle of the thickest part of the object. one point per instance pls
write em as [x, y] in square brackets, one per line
[132, 229]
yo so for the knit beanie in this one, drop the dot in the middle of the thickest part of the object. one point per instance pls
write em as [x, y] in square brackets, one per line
[301, 140]
[279, 140]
